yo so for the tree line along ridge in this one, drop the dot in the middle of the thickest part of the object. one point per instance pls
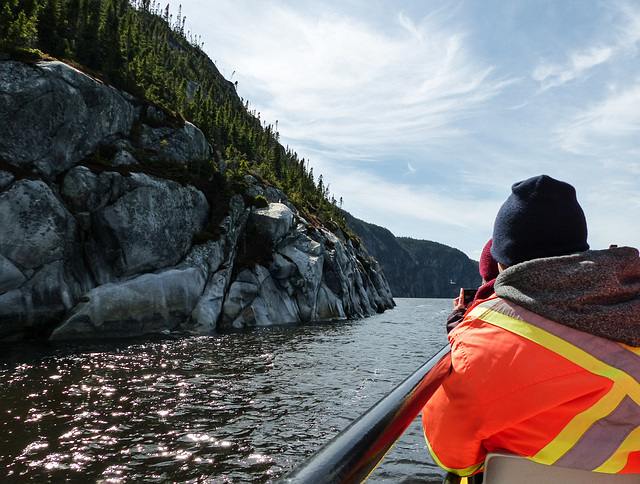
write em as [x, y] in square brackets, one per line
[139, 47]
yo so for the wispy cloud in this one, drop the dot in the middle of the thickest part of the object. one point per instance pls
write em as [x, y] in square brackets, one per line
[340, 81]
[410, 169]
[605, 126]
[554, 75]
[628, 30]
[420, 209]
[609, 45]
[421, 119]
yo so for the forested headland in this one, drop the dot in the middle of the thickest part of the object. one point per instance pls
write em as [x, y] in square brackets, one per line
[142, 48]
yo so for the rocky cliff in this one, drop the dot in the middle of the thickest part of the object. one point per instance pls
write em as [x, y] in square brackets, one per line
[98, 238]
[417, 268]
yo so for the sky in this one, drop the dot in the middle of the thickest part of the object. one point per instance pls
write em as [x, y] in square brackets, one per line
[421, 114]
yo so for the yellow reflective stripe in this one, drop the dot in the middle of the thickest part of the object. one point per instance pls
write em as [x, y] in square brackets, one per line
[572, 433]
[461, 472]
[633, 349]
[619, 459]
[623, 385]
[559, 346]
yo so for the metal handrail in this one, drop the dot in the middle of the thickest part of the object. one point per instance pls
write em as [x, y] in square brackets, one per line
[353, 454]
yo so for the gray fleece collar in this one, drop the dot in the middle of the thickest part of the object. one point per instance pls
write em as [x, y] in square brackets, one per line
[596, 291]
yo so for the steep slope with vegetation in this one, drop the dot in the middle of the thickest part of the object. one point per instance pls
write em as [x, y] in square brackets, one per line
[416, 268]
[140, 47]
[139, 194]
[97, 241]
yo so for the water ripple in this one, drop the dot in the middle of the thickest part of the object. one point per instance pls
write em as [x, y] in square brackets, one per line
[238, 407]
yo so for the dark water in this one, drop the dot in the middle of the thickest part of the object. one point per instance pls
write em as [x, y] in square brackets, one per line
[234, 408]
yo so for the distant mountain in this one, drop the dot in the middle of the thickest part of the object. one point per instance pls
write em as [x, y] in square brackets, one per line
[416, 268]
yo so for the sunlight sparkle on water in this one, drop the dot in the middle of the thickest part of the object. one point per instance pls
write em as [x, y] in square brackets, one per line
[241, 407]
[199, 437]
[260, 458]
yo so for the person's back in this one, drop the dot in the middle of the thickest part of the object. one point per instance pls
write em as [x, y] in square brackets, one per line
[549, 367]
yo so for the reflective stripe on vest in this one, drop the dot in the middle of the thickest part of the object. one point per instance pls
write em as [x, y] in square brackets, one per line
[600, 438]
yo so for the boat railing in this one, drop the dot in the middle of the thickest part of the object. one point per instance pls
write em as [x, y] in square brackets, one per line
[353, 454]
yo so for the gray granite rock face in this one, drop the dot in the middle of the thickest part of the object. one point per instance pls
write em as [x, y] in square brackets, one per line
[314, 276]
[93, 247]
[148, 228]
[35, 225]
[150, 303]
[53, 115]
[185, 143]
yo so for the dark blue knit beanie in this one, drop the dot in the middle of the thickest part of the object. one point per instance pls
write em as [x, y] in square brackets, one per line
[541, 218]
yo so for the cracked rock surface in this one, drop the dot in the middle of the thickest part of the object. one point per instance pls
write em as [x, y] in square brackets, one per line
[92, 246]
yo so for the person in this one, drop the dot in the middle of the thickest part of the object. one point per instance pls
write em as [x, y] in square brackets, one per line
[488, 269]
[549, 366]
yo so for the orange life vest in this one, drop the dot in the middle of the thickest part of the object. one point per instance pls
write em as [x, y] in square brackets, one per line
[524, 384]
